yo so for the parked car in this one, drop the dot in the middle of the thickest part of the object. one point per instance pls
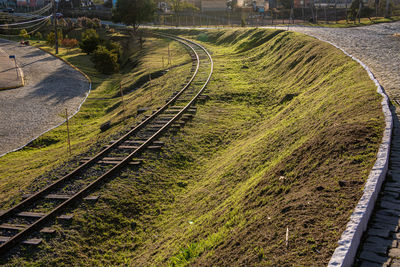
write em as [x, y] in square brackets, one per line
[8, 10]
[59, 15]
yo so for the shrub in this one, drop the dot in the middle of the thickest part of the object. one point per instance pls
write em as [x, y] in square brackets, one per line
[114, 47]
[24, 34]
[38, 36]
[90, 41]
[96, 22]
[51, 37]
[104, 60]
[69, 43]
[85, 22]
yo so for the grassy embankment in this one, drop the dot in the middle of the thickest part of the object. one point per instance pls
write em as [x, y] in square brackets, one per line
[19, 170]
[289, 117]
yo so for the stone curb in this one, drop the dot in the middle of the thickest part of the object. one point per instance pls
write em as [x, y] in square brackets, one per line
[345, 253]
[72, 115]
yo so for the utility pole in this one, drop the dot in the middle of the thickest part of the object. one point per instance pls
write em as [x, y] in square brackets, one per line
[69, 140]
[55, 25]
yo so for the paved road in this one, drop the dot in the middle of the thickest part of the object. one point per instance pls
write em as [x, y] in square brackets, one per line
[379, 49]
[50, 86]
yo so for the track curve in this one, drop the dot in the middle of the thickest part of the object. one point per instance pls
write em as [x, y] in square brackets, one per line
[27, 219]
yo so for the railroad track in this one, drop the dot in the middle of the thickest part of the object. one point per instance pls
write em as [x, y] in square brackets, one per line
[25, 223]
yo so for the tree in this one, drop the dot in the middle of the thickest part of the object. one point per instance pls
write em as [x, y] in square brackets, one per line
[134, 12]
[178, 6]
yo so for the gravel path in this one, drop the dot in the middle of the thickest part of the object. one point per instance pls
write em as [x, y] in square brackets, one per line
[51, 86]
[379, 49]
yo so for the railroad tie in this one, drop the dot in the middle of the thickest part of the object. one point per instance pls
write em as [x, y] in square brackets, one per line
[114, 160]
[32, 241]
[20, 227]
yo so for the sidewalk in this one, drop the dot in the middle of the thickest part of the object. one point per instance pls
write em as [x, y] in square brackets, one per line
[9, 78]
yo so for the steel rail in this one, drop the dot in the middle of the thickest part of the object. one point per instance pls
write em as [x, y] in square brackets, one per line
[51, 215]
[141, 125]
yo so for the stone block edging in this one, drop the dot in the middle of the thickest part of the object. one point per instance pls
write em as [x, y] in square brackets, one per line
[345, 253]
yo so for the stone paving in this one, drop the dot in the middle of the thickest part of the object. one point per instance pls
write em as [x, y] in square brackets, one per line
[51, 86]
[379, 48]
[380, 246]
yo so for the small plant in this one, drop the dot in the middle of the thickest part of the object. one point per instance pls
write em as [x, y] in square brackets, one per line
[24, 34]
[90, 41]
[105, 61]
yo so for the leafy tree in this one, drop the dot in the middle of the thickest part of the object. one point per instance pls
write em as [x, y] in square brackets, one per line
[180, 5]
[134, 12]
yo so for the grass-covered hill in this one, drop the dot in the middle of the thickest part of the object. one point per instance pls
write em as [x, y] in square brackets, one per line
[286, 141]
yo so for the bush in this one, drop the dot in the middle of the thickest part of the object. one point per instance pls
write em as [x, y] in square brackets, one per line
[114, 47]
[69, 43]
[90, 41]
[51, 37]
[85, 22]
[104, 60]
[24, 34]
[38, 36]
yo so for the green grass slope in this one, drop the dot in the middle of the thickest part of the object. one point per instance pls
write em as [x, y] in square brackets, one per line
[289, 117]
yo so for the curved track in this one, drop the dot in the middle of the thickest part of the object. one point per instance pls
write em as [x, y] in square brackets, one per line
[25, 222]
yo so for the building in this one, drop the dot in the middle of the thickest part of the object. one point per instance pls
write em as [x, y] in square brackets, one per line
[30, 3]
[213, 5]
[323, 3]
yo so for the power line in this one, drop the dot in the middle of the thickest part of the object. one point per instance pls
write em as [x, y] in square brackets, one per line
[24, 27]
[26, 22]
[42, 24]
